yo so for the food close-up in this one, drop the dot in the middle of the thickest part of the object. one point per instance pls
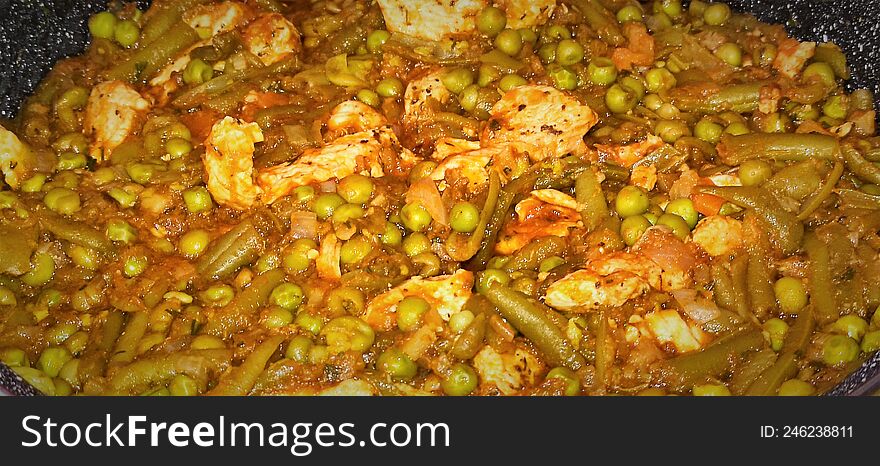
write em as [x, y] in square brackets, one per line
[467, 197]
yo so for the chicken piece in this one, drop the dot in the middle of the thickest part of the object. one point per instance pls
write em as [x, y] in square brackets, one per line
[527, 13]
[447, 147]
[372, 153]
[422, 96]
[217, 18]
[718, 235]
[473, 166]
[112, 114]
[543, 121]
[349, 387]
[675, 258]
[508, 372]
[327, 263]
[352, 116]
[585, 290]
[644, 176]
[271, 38]
[792, 56]
[639, 49]
[645, 268]
[229, 162]
[545, 212]
[432, 20]
[629, 154]
[446, 294]
[15, 158]
[669, 329]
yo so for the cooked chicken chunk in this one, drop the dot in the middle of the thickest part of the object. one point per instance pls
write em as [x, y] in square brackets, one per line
[229, 162]
[446, 294]
[545, 212]
[271, 38]
[112, 114]
[431, 19]
[718, 235]
[14, 158]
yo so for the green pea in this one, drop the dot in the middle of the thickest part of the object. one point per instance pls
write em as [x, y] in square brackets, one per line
[368, 97]
[415, 244]
[631, 200]
[839, 350]
[77, 342]
[464, 217]
[563, 78]
[461, 380]
[120, 230]
[632, 228]
[308, 322]
[397, 364]
[509, 82]
[415, 217]
[754, 172]
[348, 212]
[410, 311]
[459, 321]
[7, 297]
[288, 296]
[124, 198]
[547, 53]
[102, 25]
[218, 295]
[84, 257]
[716, 14]
[355, 249]
[71, 161]
[33, 184]
[678, 225]
[178, 147]
[629, 13]
[326, 204]
[620, 99]
[51, 297]
[456, 79]
[135, 265]
[59, 333]
[777, 329]
[487, 278]
[390, 87]
[672, 8]
[194, 242]
[207, 342]
[421, 170]
[737, 129]
[356, 189]
[550, 263]
[376, 39]
[871, 341]
[183, 385]
[822, 72]
[469, 98]
[730, 53]
[795, 387]
[14, 357]
[527, 35]
[569, 52]
[127, 33]
[391, 236]
[708, 131]
[197, 71]
[103, 176]
[487, 74]
[297, 257]
[790, 294]
[298, 349]
[141, 173]
[602, 71]
[556, 32]
[685, 209]
[42, 270]
[491, 21]
[277, 317]
[572, 384]
[348, 333]
[659, 79]
[836, 107]
[850, 325]
[497, 262]
[671, 130]
[659, 22]
[52, 359]
[197, 199]
[509, 41]
[62, 200]
[711, 390]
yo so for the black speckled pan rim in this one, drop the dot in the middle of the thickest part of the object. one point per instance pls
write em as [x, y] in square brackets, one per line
[34, 34]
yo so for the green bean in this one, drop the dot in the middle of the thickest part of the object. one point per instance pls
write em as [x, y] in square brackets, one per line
[767, 384]
[734, 150]
[533, 253]
[604, 356]
[147, 61]
[863, 168]
[759, 279]
[94, 359]
[75, 232]
[796, 181]
[727, 294]
[236, 315]
[691, 369]
[751, 369]
[858, 199]
[221, 84]
[666, 159]
[600, 20]
[588, 191]
[279, 115]
[16, 249]
[462, 247]
[126, 345]
[821, 285]
[236, 248]
[220, 48]
[739, 98]
[831, 54]
[241, 379]
[532, 322]
[784, 228]
[824, 192]
[163, 17]
[143, 373]
[470, 341]
[739, 279]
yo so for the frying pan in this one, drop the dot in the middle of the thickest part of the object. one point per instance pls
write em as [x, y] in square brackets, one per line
[34, 34]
